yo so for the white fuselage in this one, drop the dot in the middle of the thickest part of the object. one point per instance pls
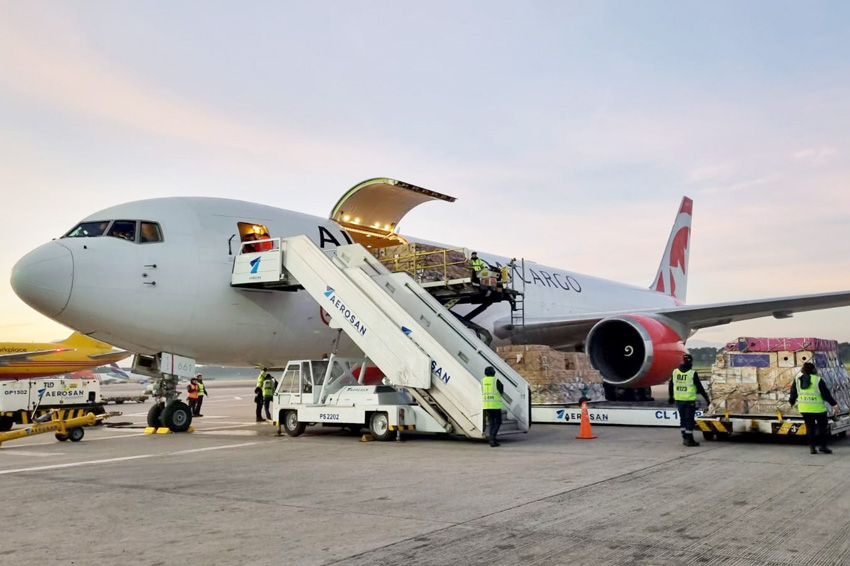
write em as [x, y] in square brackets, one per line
[175, 295]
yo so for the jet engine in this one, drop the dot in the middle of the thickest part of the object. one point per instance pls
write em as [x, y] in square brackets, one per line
[634, 350]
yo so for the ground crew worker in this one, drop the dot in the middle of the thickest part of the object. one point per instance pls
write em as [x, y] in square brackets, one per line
[269, 387]
[491, 391]
[811, 395]
[684, 386]
[258, 395]
[202, 392]
[192, 388]
[477, 265]
[265, 242]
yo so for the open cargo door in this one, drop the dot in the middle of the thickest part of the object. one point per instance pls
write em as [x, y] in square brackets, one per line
[371, 210]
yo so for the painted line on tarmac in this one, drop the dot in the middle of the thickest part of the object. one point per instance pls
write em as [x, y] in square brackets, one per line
[124, 459]
[15, 452]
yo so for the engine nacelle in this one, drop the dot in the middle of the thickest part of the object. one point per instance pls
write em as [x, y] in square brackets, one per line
[634, 350]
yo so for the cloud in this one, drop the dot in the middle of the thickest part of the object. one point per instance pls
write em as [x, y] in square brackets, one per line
[815, 155]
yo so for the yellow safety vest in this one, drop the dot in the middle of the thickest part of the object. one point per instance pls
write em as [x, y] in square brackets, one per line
[261, 378]
[477, 264]
[201, 389]
[810, 400]
[684, 388]
[490, 393]
[268, 387]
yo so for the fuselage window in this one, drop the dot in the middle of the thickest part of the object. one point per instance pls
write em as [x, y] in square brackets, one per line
[125, 229]
[150, 232]
[88, 229]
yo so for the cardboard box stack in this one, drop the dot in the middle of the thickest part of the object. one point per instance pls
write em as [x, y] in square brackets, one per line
[754, 375]
[554, 377]
[429, 267]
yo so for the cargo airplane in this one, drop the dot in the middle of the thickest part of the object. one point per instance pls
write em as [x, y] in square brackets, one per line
[24, 360]
[154, 276]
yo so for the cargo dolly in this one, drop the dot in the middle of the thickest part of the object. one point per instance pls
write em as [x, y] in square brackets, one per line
[721, 426]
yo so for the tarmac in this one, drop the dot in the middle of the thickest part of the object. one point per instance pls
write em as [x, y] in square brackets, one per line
[234, 492]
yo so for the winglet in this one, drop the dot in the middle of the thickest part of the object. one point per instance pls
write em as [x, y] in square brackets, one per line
[672, 275]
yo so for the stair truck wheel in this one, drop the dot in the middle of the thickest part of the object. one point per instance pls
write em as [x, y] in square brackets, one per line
[6, 423]
[61, 437]
[292, 425]
[154, 415]
[709, 436]
[76, 434]
[177, 416]
[379, 426]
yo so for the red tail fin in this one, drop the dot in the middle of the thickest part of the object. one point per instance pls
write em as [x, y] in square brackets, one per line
[672, 276]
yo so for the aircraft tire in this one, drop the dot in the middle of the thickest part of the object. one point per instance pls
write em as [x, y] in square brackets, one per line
[154, 415]
[292, 425]
[379, 426]
[76, 434]
[6, 423]
[177, 416]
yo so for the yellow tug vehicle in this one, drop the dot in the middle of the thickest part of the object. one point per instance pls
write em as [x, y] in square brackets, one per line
[63, 429]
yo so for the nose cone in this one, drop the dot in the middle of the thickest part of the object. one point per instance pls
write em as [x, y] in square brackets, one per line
[43, 278]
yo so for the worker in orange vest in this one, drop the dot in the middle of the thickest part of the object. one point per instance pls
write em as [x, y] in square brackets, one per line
[192, 388]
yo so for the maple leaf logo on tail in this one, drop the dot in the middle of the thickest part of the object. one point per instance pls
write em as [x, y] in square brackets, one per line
[672, 275]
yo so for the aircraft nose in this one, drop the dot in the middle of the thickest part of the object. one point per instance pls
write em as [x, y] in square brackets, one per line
[43, 278]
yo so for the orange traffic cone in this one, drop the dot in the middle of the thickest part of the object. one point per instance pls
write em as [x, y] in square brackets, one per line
[584, 432]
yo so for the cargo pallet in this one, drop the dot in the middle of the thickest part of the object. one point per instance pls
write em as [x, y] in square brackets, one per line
[721, 427]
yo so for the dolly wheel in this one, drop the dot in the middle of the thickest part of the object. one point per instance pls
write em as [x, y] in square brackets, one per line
[61, 437]
[76, 434]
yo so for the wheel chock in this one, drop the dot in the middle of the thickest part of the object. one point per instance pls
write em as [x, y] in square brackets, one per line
[366, 438]
[163, 430]
[191, 429]
[150, 429]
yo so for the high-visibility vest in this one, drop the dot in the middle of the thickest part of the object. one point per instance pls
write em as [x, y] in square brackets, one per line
[265, 244]
[261, 378]
[810, 400]
[193, 391]
[201, 389]
[268, 387]
[490, 394]
[684, 388]
[477, 264]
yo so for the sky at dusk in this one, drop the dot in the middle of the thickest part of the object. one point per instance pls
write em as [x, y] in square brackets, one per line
[568, 131]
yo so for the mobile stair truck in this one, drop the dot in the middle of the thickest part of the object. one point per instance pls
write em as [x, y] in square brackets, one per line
[432, 362]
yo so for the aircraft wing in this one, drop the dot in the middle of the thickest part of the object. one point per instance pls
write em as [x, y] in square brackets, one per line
[570, 330]
[110, 355]
[26, 356]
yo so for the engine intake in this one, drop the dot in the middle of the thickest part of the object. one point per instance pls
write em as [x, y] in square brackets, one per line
[634, 350]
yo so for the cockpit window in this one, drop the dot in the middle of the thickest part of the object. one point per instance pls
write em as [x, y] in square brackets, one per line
[150, 232]
[88, 229]
[125, 229]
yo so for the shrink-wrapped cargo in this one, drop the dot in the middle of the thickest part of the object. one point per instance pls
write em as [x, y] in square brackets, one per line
[743, 383]
[554, 377]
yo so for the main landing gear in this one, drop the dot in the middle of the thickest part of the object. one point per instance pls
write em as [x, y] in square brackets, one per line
[171, 413]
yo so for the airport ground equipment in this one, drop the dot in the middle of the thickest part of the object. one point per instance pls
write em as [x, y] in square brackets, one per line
[646, 413]
[417, 343]
[722, 426]
[25, 400]
[63, 429]
[120, 399]
[332, 392]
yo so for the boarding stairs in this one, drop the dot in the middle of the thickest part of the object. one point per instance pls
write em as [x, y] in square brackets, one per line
[416, 342]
